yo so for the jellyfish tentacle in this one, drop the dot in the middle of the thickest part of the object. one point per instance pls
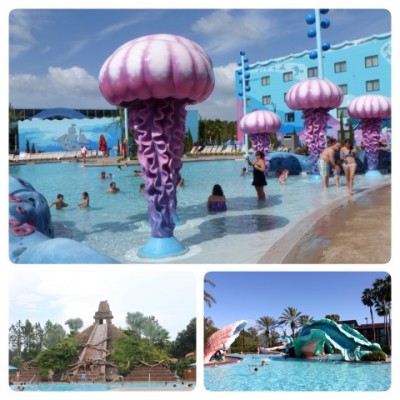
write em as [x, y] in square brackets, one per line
[315, 123]
[371, 128]
[159, 135]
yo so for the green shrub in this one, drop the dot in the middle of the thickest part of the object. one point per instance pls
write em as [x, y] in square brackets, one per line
[375, 356]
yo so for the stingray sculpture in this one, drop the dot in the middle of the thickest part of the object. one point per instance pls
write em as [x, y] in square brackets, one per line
[315, 97]
[260, 124]
[370, 109]
[155, 77]
[222, 338]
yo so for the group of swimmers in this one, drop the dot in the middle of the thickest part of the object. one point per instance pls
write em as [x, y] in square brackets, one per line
[59, 202]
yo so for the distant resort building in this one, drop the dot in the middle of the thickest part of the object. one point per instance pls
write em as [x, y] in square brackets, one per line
[358, 67]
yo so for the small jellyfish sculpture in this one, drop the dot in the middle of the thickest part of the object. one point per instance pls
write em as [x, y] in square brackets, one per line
[155, 77]
[315, 97]
[370, 109]
[259, 125]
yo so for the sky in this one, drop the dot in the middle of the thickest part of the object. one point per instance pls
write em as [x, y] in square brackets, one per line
[58, 294]
[55, 54]
[251, 295]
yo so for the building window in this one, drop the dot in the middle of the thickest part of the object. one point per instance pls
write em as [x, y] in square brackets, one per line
[344, 88]
[248, 103]
[342, 111]
[265, 80]
[312, 72]
[340, 67]
[284, 96]
[289, 117]
[373, 86]
[288, 76]
[371, 61]
[266, 99]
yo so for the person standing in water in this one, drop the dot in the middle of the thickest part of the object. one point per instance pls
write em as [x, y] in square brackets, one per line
[259, 167]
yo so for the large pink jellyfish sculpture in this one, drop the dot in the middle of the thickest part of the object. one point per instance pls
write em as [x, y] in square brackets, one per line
[315, 97]
[155, 77]
[370, 109]
[260, 124]
[222, 339]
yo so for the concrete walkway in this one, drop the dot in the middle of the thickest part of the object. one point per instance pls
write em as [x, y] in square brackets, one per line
[359, 232]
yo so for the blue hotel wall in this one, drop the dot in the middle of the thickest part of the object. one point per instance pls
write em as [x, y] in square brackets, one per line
[353, 53]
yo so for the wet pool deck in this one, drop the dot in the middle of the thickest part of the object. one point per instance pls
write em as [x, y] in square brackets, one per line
[356, 231]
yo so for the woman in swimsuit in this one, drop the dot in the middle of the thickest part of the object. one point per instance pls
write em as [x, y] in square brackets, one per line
[348, 155]
[217, 200]
[259, 180]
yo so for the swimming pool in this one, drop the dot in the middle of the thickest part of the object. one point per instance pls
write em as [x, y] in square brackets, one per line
[117, 224]
[282, 374]
[101, 387]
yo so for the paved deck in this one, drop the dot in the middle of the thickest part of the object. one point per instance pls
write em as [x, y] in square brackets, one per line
[359, 232]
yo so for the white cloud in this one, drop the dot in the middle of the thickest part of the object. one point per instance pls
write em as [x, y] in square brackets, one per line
[75, 88]
[227, 31]
[69, 87]
[221, 103]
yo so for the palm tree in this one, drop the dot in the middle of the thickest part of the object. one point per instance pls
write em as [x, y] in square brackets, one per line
[290, 316]
[267, 324]
[382, 289]
[304, 319]
[333, 317]
[208, 298]
[367, 299]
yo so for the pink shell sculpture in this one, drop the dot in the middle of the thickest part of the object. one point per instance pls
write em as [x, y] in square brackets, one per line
[370, 109]
[315, 97]
[259, 124]
[155, 77]
[223, 338]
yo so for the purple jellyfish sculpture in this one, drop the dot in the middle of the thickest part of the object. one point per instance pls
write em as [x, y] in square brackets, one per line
[370, 109]
[259, 124]
[155, 77]
[315, 97]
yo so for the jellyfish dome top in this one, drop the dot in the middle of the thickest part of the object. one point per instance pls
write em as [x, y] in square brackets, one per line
[259, 124]
[155, 77]
[370, 109]
[370, 106]
[260, 121]
[315, 97]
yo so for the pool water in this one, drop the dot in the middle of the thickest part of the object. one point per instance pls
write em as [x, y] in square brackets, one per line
[117, 224]
[282, 374]
[101, 387]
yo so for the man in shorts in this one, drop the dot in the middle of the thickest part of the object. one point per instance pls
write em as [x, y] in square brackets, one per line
[326, 161]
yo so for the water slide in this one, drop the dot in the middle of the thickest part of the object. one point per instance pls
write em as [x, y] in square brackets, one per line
[324, 335]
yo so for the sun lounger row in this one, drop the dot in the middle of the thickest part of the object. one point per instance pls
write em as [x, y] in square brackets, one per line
[217, 150]
[51, 155]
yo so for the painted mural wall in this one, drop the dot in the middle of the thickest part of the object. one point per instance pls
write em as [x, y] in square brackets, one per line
[67, 134]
